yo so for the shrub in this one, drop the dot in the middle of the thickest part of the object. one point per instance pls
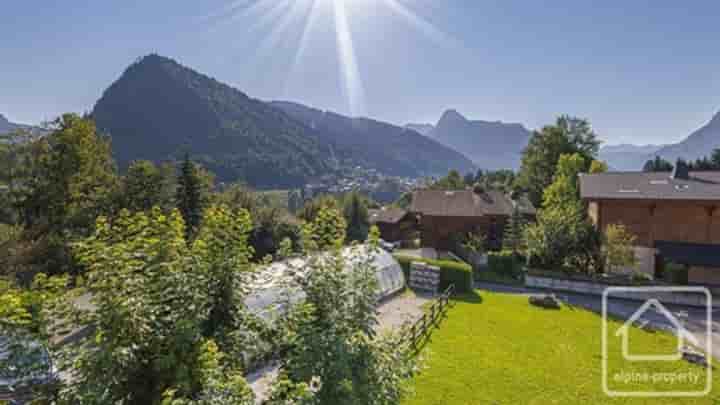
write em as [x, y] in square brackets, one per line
[675, 273]
[504, 263]
[451, 272]
[639, 277]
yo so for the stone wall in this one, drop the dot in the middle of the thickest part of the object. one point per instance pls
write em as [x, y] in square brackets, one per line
[592, 288]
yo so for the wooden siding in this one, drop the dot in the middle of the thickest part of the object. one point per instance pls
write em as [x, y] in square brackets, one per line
[650, 221]
[440, 232]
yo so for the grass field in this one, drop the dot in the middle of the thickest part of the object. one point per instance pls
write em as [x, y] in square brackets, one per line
[497, 349]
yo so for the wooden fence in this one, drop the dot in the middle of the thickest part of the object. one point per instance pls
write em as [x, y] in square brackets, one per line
[421, 329]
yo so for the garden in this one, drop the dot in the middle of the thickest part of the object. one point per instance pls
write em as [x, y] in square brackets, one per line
[496, 348]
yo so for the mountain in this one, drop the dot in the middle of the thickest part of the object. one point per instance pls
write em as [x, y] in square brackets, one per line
[491, 145]
[699, 144]
[626, 157]
[423, 129]
[6, 126]
[388, 148]
[158, 109]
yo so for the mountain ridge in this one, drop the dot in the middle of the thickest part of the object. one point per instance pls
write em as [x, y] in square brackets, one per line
[489, 144]
[376, 143]
[698, 144]
[6, 126]
[158, 109]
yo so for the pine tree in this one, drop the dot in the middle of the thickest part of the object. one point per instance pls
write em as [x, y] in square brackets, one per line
[356, 215]
[513, 238]
[190, 197]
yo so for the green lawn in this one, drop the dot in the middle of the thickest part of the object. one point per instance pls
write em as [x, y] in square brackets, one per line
[497, 349]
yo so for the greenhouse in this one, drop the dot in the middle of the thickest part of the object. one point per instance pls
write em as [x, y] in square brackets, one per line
[275, 285]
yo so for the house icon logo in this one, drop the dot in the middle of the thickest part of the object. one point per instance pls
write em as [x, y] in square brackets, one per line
[627, 370]
[682, 334]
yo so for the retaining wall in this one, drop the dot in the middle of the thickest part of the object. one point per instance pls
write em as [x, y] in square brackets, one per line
[698, 299]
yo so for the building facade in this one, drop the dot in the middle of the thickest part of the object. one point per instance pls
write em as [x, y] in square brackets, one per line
[445, 217]
[668, 213]
[394, 224]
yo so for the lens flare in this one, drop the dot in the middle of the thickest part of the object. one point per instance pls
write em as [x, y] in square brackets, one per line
[282, 15]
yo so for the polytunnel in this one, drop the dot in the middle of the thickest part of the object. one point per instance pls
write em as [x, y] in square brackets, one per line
[275, 284]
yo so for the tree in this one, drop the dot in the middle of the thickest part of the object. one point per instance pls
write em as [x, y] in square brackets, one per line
[598, 166]
[513, 238]
[564, 189]
[17, 164]
[657, 165]
[563, 237]
[326, 231]
[158, 306]
[715, 158]
[334, 355]
[72, 180]
[469, 179]
[619, 247]
[295, 200]
[474, 242]
[312, 207]
[145, 186]
[222, 243]
[356, 215]
[453, 181]
[191, 195]
[568, 136]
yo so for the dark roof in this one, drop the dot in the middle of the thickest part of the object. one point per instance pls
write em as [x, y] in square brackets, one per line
[465, 203]
[390, 215]
[691, 254]
[650, 186]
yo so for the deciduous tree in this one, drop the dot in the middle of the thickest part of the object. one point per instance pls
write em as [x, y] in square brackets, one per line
[619, 247]
[568, 135]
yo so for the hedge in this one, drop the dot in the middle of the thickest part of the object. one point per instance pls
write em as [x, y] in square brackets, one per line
[451, 272]
[675, 273]
[504, 263]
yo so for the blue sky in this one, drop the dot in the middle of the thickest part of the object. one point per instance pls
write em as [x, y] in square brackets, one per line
[641, 71]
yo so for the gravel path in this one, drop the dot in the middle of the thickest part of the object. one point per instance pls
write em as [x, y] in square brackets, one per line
[401, 309]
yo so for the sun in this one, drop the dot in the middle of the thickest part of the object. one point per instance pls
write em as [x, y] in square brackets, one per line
[281, 14]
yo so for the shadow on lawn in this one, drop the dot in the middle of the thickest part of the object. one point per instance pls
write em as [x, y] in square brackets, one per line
[470, 297]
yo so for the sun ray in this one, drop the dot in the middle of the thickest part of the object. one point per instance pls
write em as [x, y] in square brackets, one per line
[223, 11]
[350, 72]
[310, 21]
[262, 17]
[276, 35]
[261, 12]
[422, 25]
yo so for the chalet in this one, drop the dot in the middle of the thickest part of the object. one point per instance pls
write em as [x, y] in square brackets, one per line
[446, 216]
[394, 224]
[674, 216]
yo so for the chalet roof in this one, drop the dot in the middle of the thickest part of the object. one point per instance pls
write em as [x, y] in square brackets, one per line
[465, 203]
[389, 215]
[650, 186]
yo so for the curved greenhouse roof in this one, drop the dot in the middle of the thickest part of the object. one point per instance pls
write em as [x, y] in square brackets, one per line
[276, 283]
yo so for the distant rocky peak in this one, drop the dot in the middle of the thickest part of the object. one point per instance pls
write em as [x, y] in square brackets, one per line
[716, 119]
[4, 120]
[451, 116]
